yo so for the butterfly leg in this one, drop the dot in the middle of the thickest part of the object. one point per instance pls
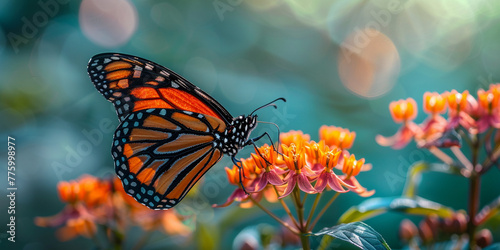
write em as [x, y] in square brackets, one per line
[253, 140]
[258, 152]
[239, 164]
[279, 133]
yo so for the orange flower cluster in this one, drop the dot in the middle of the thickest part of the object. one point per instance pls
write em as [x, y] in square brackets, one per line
[93, 202]
[299, 163]
[88, 190]
[474, 115]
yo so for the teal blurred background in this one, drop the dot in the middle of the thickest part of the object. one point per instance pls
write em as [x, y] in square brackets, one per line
[338, 62]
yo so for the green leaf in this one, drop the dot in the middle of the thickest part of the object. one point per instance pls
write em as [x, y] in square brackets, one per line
[416, 170]
[376, 206]
[488, 211]
[207, 236]
[356, 233]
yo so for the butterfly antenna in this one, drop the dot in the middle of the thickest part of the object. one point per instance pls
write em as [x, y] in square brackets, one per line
[277, 128]
[269, 104]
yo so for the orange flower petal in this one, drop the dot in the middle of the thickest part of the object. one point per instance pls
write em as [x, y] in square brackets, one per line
[295, 137]
[434, 103]
[403, 110]
[457, 101]
[337, 136]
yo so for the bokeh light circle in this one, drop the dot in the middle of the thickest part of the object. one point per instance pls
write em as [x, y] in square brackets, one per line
[108, 23]
[440, 35]
[313, 13]
[368, 63]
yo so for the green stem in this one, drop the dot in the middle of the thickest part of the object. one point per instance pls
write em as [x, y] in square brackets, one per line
[274, 216]
[304, 239]
[465, 135]
[324, 210]
[474, 186]
[304, 199]
[117, 239]
[493, 155]
[299, 207]
[490, 160]
[313, 209]
[287, 210]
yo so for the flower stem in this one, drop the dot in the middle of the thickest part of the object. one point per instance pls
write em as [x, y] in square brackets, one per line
[299, 207]
[462, 158]
[287, 210]
[115, 238]
[313, 209]
[324, 210]
[490, 160]
[465, 135]
[474, 187]
[274, 216]
[304, 200]
[304, 239]
[441, 155]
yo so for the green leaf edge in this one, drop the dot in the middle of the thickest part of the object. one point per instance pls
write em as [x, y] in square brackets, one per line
[326, 241]
[358, 213]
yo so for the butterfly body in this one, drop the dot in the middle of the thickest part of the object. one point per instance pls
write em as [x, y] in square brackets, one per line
[236, 136]
[170, 132]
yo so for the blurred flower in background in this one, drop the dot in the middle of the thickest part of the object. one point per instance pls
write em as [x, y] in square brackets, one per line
[466, 114]
[101, 206]
[473, 120]
[337, 62]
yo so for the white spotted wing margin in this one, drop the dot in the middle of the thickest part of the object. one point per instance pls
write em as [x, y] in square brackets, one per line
[159, 154]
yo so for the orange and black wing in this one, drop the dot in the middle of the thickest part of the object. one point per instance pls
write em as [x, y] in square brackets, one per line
[161, 153]
[132, 84]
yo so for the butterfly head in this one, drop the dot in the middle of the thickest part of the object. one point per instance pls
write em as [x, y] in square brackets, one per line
[237, 133]
[245, 124]
[251, 120]
[242, 127]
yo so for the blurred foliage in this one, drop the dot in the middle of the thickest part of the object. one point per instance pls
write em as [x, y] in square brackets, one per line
[376, 206]
[245, 56]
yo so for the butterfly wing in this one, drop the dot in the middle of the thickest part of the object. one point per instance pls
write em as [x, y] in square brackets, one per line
[132, 83]
[160, 154]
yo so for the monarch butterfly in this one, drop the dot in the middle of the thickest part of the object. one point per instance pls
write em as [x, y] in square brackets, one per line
[170, 132]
